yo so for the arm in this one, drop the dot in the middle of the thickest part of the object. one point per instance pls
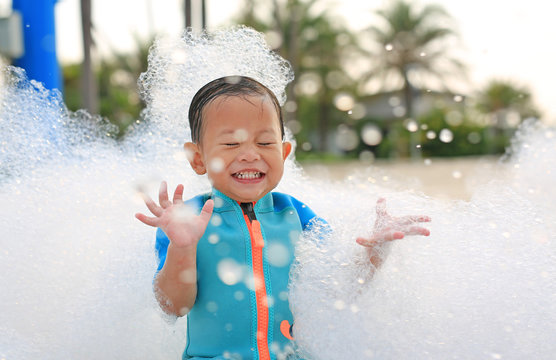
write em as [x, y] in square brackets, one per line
[176, 283]
[388, 228]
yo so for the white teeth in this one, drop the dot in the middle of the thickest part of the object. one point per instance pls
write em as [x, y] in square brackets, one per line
[248, 175]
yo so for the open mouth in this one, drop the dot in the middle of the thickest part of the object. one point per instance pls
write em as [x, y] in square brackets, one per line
[248, 175]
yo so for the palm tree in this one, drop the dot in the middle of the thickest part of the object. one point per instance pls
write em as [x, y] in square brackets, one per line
[410, 50]
[505, 104]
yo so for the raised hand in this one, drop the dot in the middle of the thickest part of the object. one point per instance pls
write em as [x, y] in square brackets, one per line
[388, 228]
[178, 222]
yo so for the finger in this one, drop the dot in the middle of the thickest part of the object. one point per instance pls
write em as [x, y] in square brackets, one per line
[380, 238]
[411, 219]
[206, 212]
[163, 195]
[151, 221]
[152, 206]
[381, 207]
[178, 195]
[417, 230]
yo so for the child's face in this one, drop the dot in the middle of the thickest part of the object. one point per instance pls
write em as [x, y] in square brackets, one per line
[241, 147]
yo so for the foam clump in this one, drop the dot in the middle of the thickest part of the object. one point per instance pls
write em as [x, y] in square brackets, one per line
[178, 68]
[481, 286]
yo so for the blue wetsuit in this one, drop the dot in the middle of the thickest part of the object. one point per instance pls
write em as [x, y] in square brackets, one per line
[243, 264]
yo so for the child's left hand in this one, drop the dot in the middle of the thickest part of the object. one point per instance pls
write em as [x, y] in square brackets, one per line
[388, 228]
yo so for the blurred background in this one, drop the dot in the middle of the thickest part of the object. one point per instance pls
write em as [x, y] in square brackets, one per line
[431, 90]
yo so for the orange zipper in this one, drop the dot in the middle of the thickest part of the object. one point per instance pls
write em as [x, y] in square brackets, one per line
[257, 245]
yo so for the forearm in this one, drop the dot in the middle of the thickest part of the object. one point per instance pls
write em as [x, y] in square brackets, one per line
[176, 283]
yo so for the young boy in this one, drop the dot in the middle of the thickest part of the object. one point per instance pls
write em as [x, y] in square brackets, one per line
[228, 267]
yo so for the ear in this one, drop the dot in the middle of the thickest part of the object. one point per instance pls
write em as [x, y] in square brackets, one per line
[195, 158]
[286, 149]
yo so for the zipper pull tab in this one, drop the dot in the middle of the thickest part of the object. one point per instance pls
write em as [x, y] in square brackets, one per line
[248, 210]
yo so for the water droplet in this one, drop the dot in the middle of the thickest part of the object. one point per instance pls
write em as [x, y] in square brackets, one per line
[371, 135]
[213, 238]
[290, 106]
[346, 138]
[343, 101]
[358, 112]
[446, 135]
[216, 165]
[366, 156]
[239, 295]
[398, 111]
[474, 137]
[294, 126]
[273, 39]
[427, 162]
[389, 47]
[339, 304]
[309, 84]
[229, 271]
[431, 135]
[216, 220]
[456, 174]
[411, 125]
[188, 276]
[394, 101]
[458, 98]
[240, 135]
[184, 310]
[278, 254]
[218, 202]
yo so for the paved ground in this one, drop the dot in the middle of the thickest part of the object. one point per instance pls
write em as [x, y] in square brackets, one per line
[453, 178]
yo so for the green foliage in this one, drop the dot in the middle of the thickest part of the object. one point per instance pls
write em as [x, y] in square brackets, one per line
[505, 95]
[316, 45]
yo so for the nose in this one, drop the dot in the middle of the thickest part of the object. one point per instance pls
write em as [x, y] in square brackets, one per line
[249, 153]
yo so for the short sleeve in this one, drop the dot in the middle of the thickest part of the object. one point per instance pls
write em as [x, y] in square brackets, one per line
[161, 247]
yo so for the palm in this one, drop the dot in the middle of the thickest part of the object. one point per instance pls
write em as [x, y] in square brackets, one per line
[388, 227]
[178, 222]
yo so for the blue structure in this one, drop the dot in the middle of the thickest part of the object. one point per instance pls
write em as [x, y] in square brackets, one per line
[39, 38]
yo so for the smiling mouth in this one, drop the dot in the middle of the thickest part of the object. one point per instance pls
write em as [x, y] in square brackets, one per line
[248, 175]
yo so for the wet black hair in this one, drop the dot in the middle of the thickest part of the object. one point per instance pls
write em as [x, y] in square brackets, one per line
[227, 86]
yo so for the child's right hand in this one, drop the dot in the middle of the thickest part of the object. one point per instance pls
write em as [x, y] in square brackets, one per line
[179, 223]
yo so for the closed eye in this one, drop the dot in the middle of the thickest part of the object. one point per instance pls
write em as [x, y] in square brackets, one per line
[231, 144]
[266, 143]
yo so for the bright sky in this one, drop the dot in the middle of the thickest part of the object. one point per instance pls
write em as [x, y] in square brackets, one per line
[499, 39]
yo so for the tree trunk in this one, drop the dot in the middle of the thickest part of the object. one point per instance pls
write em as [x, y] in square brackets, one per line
[414, 136]
[88, 83]
[323, 122]
[292, 55]
[187, 9]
